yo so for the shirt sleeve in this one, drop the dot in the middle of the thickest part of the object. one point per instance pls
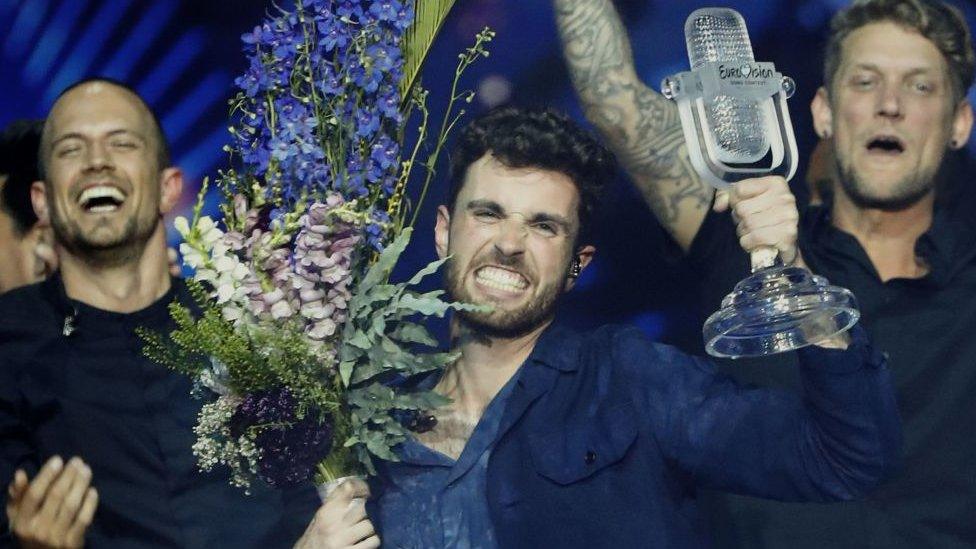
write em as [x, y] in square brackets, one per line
[15, 448]
[835, 442]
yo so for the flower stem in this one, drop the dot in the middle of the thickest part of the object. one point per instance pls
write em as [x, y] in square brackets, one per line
[326, 474]
[335, 466]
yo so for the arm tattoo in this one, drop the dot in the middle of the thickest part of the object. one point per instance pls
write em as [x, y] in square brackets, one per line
[640, 125]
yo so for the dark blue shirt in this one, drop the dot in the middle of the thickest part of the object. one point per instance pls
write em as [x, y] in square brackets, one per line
[444, 498]
[607, 436]
[925, 327]
[93, 394]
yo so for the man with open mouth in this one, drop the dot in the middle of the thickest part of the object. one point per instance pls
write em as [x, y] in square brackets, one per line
[95, 438]
[895, 231]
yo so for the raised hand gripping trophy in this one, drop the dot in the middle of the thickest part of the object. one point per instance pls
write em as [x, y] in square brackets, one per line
[736, 125]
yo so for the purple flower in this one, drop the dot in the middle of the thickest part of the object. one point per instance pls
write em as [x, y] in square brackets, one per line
[290, 119]
[290, 446]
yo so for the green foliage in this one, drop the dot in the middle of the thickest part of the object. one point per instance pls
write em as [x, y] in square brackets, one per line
[429, 15]
[256, 359]
[379, 344]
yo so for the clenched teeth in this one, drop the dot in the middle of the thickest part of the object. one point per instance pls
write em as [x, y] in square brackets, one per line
[501, 279]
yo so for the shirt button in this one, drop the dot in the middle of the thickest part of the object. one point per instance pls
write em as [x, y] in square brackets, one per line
[590, 457]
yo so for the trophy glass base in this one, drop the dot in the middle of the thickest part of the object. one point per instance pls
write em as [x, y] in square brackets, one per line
[778, 309]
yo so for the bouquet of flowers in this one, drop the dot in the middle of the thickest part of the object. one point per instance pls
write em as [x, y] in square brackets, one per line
[298, 339]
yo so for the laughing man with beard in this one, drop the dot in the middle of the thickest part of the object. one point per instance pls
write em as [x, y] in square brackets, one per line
[95, 439]
[601, 439]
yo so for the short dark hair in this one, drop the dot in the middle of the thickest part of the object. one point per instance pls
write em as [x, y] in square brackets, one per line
[537, 138]
[19, 143]
[934, 20]
[162, 145]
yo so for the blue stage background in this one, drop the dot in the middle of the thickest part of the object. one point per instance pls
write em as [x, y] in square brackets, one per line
[182, 56]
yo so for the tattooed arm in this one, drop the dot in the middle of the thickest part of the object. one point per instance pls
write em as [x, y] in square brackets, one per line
[640, 125]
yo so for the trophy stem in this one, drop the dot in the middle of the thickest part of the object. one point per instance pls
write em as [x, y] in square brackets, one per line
[764, 257]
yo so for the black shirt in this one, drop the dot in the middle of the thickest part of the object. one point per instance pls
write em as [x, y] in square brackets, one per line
[927, 328]
[93, 394]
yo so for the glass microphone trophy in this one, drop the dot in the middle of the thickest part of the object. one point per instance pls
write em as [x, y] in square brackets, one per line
[736, 125]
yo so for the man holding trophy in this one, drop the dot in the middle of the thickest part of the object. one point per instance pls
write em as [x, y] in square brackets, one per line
[556, 438]
[893, 105]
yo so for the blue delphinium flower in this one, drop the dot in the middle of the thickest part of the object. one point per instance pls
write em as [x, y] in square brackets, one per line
[376, 228]
[386, 10]
[342, 89]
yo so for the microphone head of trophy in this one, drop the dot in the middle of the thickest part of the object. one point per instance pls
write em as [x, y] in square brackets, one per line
[732, 108]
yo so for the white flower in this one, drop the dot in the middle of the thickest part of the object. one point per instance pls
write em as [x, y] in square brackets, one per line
[191, 256]
[225, 291]
[182, 226]
[273, 296]
[314, 311]
[209, 232]
[240, 272]
[219, 248]
[225, 264]
[232, 313]
[215, 378]
[205, 275]
[322, 329]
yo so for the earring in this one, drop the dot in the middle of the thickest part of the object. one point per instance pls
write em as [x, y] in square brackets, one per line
[576, 268]
[953, 144]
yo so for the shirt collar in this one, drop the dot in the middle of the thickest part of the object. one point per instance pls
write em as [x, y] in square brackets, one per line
[53, 290]
[557, 348]
[948, 245]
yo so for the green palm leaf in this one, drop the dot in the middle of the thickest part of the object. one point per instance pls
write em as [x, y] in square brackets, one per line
[428, 19]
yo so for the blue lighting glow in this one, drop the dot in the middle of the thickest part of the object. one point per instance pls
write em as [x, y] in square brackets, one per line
[88, 48]
[201, 157]
[53, 38]
[652, 323]
[173, 64]
[28, 20]
[214, 87]
[142, 36]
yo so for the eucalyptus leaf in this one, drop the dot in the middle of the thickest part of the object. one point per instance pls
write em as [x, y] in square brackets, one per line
[378, 325]
[410, 332]
[345, 372]
[430, 269]
[366, 306]
[427, 304]
[380, 271]
[360, 339]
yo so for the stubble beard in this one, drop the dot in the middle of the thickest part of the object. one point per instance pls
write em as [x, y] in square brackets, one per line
[501, 324]
[907, 192]
[126, 247]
